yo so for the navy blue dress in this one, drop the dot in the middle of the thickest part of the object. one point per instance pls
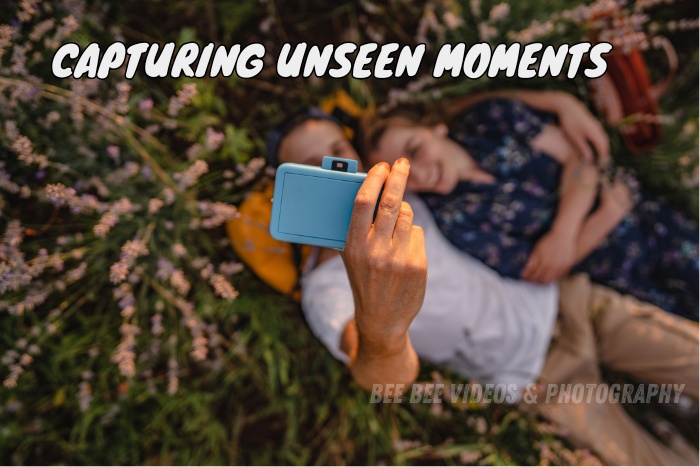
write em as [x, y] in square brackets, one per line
[652, 254]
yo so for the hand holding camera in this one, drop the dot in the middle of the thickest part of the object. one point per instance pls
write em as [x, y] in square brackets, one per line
[383, 252]
[385, 258]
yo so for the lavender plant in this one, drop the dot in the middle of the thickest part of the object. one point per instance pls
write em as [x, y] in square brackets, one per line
[101, 218]
[124, 338]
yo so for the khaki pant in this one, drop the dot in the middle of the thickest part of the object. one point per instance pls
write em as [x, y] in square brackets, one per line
[599, 327]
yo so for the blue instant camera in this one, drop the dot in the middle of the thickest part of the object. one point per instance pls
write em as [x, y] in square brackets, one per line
[313, 205]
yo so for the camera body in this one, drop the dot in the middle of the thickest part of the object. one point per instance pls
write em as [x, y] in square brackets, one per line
[313, 205]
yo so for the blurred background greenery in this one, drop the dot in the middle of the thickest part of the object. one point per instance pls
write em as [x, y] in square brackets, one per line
[265, 391]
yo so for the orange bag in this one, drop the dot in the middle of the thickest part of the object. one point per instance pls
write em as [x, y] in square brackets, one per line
[276, 263]
[625, 95]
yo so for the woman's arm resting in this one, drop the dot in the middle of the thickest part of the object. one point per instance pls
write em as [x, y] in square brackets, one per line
[578, 188]
[616, 203]
[555, 252]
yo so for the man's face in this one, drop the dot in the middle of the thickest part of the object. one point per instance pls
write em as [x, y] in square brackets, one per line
[313, 139]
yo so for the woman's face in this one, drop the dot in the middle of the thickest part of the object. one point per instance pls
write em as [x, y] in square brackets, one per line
[313, 139]
[434, 160]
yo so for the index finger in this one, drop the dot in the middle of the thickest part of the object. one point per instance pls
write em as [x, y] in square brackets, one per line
[366, 201]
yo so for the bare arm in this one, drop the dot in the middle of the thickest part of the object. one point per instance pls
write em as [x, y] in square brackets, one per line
[387, 268]
[379, 365]
[594, 231]
[616, 203]
[555, 252]
[578, 189]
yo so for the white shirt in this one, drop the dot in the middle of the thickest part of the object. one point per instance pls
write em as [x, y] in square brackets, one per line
[473, 321]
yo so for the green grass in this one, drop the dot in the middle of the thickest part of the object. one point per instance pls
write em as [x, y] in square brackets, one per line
[275, 395]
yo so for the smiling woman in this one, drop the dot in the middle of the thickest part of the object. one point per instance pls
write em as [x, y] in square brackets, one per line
[247, 61]
[438, 162]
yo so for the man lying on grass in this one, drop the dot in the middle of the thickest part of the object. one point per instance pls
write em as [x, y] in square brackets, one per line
[399, 290]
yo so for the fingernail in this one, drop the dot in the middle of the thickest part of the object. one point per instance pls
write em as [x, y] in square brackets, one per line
[403, 161]
[383, 166]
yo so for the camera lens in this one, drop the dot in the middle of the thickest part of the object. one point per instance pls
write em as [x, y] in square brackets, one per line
[340, 166]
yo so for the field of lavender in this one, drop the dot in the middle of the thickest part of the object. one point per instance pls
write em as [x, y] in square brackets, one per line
[131, 333]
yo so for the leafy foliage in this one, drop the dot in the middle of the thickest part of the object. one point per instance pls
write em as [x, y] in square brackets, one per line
[130, 333]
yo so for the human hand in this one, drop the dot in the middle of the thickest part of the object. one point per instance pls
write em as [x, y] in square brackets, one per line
[552, 257]
[385, 260]
[616, 199]
[583, 129]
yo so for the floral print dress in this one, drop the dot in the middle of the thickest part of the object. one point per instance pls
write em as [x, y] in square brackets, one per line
[652, 254]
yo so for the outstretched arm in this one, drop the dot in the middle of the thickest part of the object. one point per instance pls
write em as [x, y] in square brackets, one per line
[387, 267]
[383, 364]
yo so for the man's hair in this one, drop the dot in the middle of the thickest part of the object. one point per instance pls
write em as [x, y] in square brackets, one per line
[290, 123]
